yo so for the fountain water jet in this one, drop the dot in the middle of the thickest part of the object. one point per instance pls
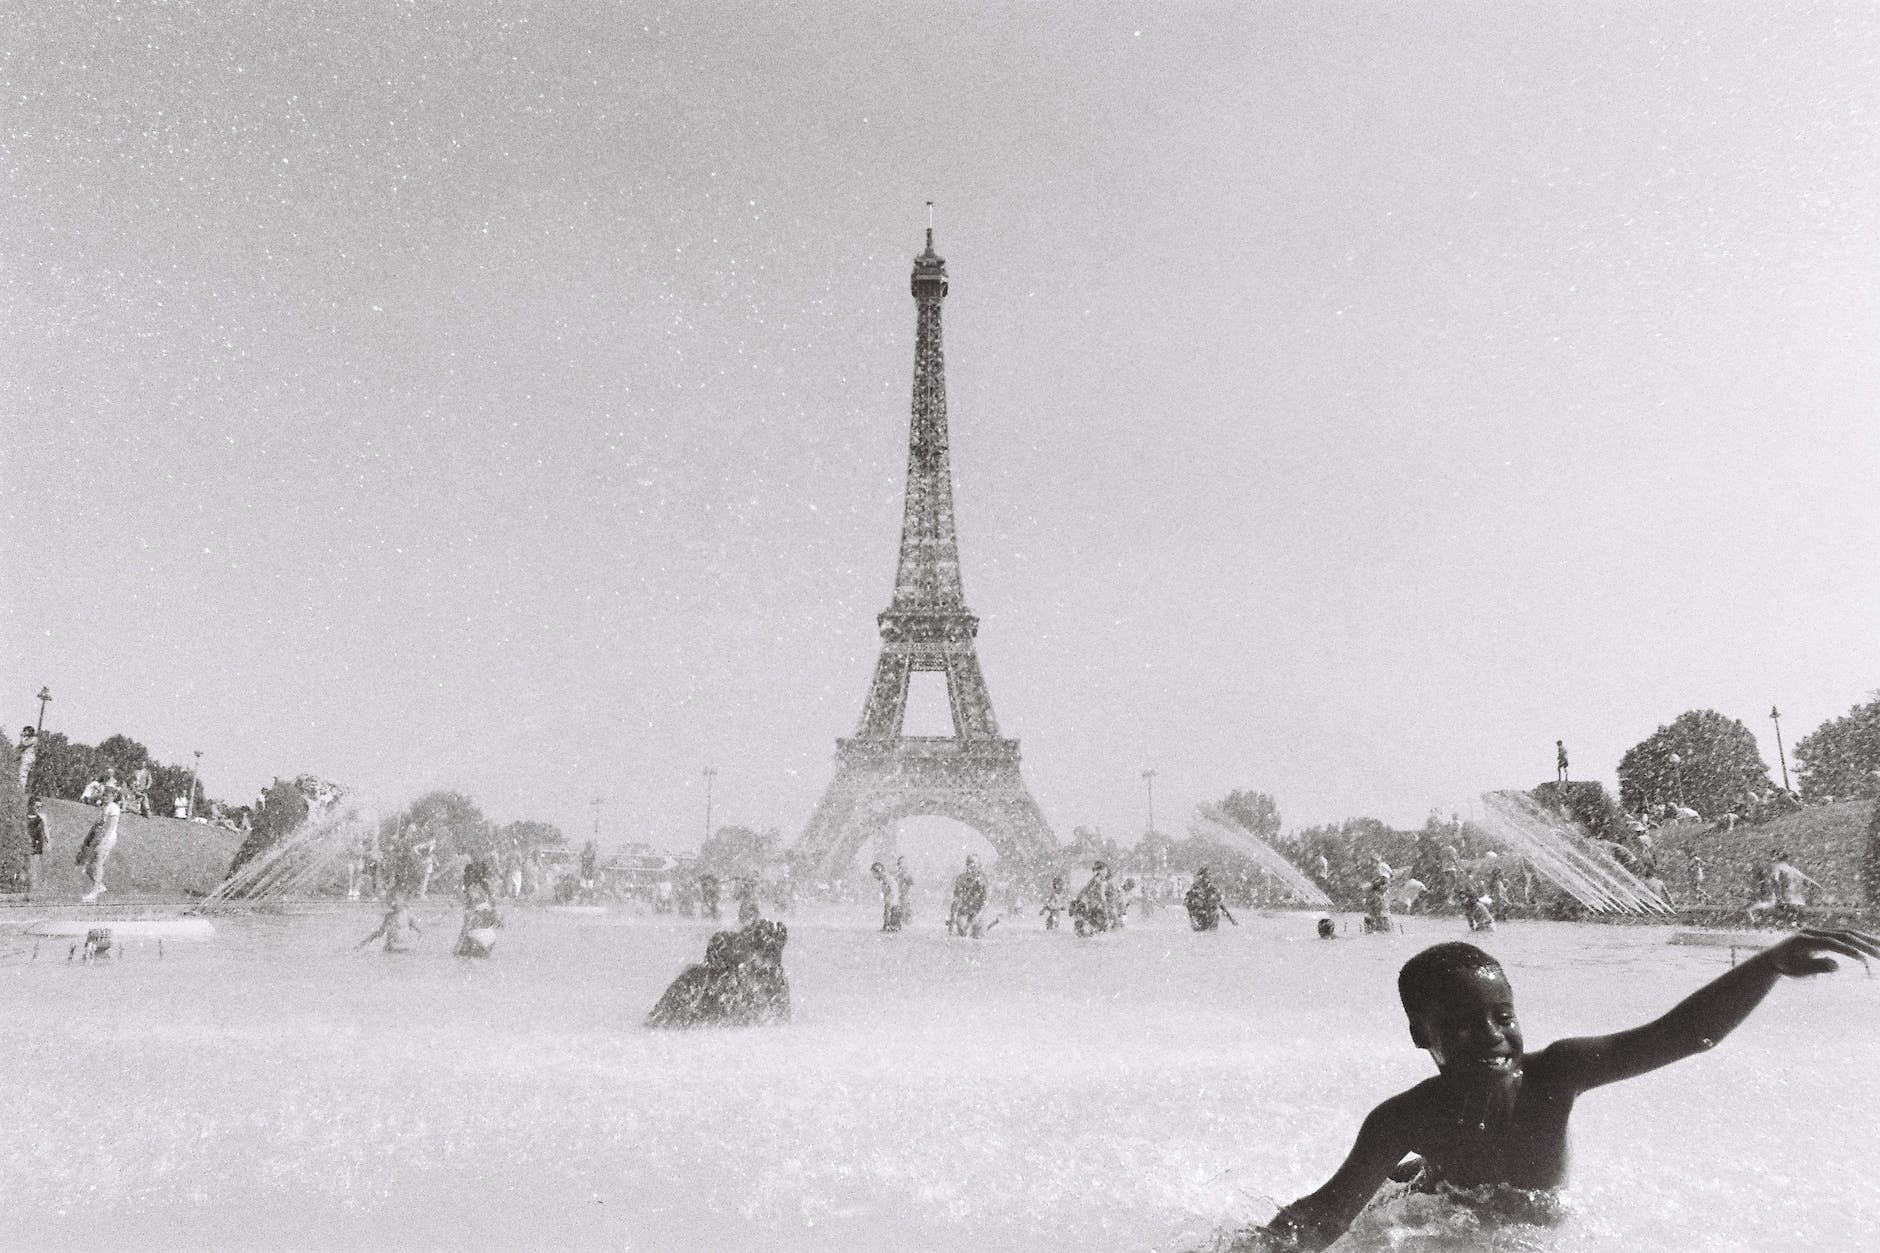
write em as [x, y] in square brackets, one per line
[1564, 855]
[1212, 822]
[294, 863]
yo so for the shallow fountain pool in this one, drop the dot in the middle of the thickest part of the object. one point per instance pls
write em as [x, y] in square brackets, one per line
[1140, 1091]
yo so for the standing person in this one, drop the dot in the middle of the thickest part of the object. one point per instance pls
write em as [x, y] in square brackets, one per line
[969, 898]
[1791, 894]
[425, 851]
[1093, 908]
[904, 881]
[590, 868]
[96, 849]
[1788, 894]
[1053, 903]
[140, 789]
[1699, 893]
[708, 896]
[1560, 762]
[1377, 906]
[890, 897]
[29, 753]
[35, 842]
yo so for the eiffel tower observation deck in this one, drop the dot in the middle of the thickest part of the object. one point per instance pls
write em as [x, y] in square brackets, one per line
[884, 775]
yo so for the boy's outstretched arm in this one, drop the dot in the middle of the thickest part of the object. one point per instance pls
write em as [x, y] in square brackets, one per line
[1704, 1017]
[1315, 1220]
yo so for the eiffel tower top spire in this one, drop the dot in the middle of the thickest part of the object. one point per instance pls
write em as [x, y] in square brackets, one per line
[927, 578]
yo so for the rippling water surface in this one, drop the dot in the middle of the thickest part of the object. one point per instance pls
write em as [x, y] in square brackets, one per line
[1141, 1091]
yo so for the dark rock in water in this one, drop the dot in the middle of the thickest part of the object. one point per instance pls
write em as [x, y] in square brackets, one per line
[739, 984]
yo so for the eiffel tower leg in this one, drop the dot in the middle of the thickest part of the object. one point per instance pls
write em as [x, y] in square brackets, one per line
[879, 784]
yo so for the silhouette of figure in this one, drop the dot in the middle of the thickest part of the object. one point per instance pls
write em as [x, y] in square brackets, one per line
[739, 984]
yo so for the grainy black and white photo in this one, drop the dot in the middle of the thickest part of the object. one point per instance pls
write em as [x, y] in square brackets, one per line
[859, 626]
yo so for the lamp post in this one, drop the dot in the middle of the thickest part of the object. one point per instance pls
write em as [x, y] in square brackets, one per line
[710, 773]
[1148, 779]
[194, 773]
[45, 694]
[1677, 767]
[596, 803]
[1775, 716]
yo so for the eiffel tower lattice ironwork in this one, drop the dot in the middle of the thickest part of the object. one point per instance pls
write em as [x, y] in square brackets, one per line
[884, 775]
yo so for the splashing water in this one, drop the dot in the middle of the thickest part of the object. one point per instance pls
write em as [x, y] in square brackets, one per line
[1212, 822]
[296, 863]
[1563, 854]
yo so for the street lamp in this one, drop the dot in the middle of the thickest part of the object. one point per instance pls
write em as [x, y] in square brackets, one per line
[1148, 778]
[710, 773]
[1775, 716]
[194, 773]
[1677, 767]
[597, 802]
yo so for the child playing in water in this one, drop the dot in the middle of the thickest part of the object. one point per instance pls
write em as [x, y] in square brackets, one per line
[1495, 1115]
[481, 921]
[1053, 903]
[398, 920]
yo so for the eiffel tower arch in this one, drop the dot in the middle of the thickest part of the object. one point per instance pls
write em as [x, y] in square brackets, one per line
[884, 775]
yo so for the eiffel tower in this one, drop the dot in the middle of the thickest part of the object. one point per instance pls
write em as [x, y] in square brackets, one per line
[884, 775]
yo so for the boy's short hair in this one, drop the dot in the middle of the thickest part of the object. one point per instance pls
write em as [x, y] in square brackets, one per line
[1423, 974]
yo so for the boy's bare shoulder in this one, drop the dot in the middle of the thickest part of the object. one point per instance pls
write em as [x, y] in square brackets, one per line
[1411, 1108]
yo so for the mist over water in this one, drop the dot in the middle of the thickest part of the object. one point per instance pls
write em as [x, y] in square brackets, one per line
[1146, 1090]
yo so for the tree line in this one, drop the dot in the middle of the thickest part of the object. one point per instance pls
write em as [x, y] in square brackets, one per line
[63, 768]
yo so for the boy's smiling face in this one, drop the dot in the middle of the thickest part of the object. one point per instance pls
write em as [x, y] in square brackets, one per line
[1469, 1027]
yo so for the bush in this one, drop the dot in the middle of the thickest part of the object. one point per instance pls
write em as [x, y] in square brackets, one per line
[13, 848]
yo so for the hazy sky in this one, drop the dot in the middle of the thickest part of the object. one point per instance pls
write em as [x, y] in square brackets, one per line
[1347, 400]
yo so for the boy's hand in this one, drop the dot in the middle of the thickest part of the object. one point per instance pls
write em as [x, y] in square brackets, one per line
[1813, 952]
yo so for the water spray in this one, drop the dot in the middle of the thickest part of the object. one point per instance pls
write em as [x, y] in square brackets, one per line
[1563, 854]
[1214, 823]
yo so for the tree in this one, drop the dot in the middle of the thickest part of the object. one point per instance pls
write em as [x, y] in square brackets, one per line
[122, 754]
[451, 818]
[1841, 757]
[1718, 766]
[1153, 853]
[734, 852]
[285, 808]
[63, 768]
[14, 851]
[1256, 811]
[528, 835]
[1089, 845]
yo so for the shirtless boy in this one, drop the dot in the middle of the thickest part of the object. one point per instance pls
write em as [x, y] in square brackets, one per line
[1497, 1115]
[398, 920]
